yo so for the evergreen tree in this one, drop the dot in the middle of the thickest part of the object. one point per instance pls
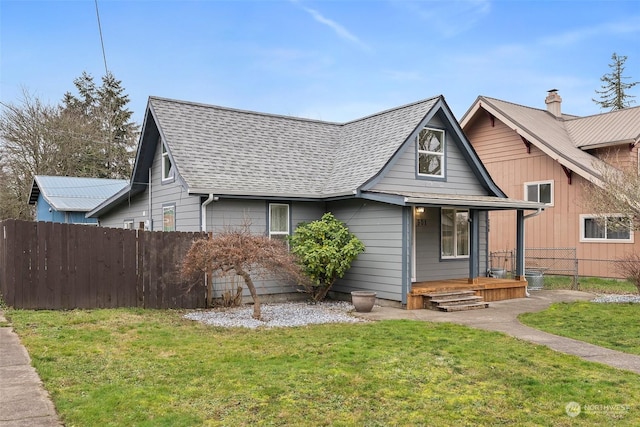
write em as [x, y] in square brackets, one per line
[89, 135]
[111, 134]
[613, 94]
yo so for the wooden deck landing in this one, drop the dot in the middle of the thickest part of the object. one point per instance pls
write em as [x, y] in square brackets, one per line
[489, 288]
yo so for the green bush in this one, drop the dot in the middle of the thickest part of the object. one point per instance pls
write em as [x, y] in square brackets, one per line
[325, 249]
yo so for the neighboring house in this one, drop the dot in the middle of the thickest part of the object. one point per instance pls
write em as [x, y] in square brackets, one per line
[550, 157]
[67, 199]
[406, 181]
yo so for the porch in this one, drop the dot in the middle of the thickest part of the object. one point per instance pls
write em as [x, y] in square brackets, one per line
[489, 288]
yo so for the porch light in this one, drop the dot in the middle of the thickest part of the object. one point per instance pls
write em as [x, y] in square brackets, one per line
[420, 209]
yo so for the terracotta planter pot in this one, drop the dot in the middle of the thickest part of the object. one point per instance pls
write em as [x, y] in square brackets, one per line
[363, 301]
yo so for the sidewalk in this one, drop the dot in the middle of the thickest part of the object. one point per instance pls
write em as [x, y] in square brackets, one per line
[23, 400]
[502, 316]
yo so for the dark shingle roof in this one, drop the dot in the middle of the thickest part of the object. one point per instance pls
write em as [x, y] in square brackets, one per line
[227, 151]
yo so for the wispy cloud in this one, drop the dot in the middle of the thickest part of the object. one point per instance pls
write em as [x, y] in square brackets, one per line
[338, 29]
[449, 18]
[568, 38]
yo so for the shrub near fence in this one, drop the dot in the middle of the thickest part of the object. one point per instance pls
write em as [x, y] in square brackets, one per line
[47, 265]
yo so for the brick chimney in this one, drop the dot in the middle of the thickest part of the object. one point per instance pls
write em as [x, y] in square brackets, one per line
[554, 102]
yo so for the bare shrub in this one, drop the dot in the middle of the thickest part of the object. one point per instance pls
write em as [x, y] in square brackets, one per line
[630, 267]
[238, 252]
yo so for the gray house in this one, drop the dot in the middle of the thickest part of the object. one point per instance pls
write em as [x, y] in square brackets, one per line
[406, 181]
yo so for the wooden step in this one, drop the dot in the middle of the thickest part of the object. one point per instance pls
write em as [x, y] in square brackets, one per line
[456, 299]
[463, 307]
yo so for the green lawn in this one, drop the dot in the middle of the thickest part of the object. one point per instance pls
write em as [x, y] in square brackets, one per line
[153, 368]
[614, 326]
[591, 284]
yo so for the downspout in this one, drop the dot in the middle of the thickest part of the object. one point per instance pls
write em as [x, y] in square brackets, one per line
[150, 220]
[204, 212]
[524, 269]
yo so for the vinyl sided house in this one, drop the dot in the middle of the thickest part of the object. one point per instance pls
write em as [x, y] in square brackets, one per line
[67, 199]
[406, 181]
[546, 156]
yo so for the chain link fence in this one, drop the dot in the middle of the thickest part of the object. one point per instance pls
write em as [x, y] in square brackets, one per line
[538, 262]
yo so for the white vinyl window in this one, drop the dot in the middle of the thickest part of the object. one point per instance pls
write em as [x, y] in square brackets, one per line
[454, 233]
[613, 228]
[540, 191]
[169, 218]
[430, 144]
[128, 224]
[278, 221]
[167, 167]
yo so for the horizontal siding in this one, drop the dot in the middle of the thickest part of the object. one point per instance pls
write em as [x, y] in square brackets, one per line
[135, 209]
[401, 177]
[162, 194]
[379, 227]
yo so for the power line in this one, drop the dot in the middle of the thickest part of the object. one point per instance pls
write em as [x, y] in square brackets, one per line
[104, 55]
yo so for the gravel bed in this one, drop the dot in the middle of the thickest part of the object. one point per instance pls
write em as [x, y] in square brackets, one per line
[279, 315]
[617, 298]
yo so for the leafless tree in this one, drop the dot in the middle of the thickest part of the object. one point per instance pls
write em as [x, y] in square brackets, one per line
[237, 251]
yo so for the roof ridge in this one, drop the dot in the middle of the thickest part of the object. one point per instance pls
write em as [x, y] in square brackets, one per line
[564, 117]
[389, 110]
[609, 112]
[243, 111]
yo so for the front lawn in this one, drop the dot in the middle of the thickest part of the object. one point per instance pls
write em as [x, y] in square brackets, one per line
[154, 368]
[612, 325]
[591, 284]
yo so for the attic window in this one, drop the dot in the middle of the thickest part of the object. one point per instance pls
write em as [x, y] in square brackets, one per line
[430, 144]
[167, 167]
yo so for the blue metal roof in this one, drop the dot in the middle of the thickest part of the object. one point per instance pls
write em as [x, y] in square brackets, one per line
[68, 193]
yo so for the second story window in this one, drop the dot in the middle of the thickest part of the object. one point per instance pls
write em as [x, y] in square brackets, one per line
[541, 192]
[431, 152]
[167, 167]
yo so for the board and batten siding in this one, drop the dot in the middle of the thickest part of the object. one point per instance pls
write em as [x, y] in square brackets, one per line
[510, 165]
[400, 175]
[379, 227]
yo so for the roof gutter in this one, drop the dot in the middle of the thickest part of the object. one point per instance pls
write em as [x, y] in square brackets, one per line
[204, 211]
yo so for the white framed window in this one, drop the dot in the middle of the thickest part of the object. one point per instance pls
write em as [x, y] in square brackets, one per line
[539, 191]
[128, 224]
[454, 229]
[169, 218]
[430, 143]
[278, 221]
[167, 167]
[613, 228]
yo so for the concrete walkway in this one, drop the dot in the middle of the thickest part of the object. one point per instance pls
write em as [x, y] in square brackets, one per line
[23, 399]
[502, 316]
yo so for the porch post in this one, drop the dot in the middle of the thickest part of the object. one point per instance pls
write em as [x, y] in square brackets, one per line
[474, 243]
[520, 245]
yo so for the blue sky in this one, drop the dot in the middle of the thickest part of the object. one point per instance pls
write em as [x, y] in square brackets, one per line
[327, 60]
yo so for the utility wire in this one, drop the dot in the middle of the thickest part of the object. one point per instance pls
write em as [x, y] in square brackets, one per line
[104, 55]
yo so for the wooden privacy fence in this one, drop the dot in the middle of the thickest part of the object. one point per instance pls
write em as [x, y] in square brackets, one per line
[46, 265]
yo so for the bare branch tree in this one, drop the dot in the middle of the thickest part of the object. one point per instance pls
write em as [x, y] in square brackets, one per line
[237, 251]
[618, 192]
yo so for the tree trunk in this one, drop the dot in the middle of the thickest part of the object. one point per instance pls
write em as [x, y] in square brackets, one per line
[252, 289]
